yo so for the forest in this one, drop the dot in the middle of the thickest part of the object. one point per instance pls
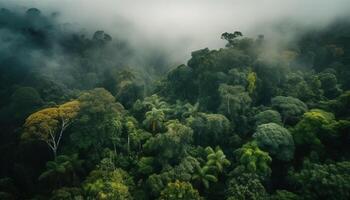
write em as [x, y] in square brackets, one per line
[81, 119]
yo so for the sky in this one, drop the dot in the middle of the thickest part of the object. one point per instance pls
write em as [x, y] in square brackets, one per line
[182, 26]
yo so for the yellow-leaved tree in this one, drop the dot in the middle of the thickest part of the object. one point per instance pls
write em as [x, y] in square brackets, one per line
[49, 124]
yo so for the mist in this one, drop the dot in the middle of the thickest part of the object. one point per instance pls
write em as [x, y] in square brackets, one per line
[178, 27]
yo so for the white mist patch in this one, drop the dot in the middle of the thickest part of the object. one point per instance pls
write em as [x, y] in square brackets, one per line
[181, 26]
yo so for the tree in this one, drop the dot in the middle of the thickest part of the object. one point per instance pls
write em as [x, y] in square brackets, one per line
[216, 159]
[179, 190]
[329, 84]
[155, 101]
[327, 181]
[154, 120]
[123, 84]
[314, 129]
[49, 124]
[67, 193]
[24, 101]
[250, 159]
[235, 100]
[339, 106]
[96, 123]
[251, 79]
[304, 86]
[204, 176]
[191, 110]
[170, 146]
[268, 116]
[209, 128]
[276, 140]
[33, 12]
[101, 37]
[145, 165]
[180, 84]
[102, 184]
[231, 38]
[125, 75]
[235, 103]
[290, 108]
[62, 170]
[128, 93]
[181, 172]
[244, 187]
[115, 130]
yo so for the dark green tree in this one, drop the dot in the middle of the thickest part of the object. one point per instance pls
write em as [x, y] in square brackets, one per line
[276, 140]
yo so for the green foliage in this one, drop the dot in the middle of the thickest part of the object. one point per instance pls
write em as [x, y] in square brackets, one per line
[329, 84]
[145, 165]
[327, 181]
[140, 108]
[102, 184]
[179, 190]
[179, 83]
[268, 116]
[154, 120]
[316, 129]
[209, 128]
[304, 86]
[182, 172]
[244, 187]
[67, 193]
[251, 79]
[203, 175]
[231, 38]
[216, 159]
[64, 169]
[340, 106]
[289, 107]
[235, 102]
[170, 146]
[276, 140]
[250, 159]
[49, 124]
[96, 123]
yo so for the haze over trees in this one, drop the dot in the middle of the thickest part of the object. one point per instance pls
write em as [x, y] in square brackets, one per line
[242, 122]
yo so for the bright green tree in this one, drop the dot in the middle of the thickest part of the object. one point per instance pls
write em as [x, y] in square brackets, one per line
[314, 129]
[102, 184]
[250, 159]
[217, 159]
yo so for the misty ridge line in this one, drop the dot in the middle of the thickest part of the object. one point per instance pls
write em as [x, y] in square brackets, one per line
[117, 50]
[184, 26]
